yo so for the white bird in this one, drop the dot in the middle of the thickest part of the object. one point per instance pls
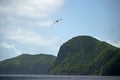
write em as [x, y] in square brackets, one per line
[57, 21]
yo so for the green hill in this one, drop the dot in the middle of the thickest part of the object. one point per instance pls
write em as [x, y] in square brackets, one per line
[85, 55]
[27, 64]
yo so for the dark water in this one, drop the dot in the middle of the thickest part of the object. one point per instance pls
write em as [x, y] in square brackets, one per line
[53, 77]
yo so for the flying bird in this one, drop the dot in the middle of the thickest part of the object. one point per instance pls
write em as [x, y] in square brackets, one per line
[57, 21]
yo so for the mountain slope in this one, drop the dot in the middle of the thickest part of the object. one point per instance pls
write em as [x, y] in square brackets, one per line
[85, 55]
[27, 64]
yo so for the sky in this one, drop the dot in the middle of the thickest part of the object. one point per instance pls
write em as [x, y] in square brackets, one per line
[26, 25]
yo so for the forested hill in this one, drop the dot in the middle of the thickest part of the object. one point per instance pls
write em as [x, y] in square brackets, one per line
[81, 55]
[85, 55]
[27, 64]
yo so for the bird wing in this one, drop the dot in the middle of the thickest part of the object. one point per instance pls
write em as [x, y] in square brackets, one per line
[56, 21]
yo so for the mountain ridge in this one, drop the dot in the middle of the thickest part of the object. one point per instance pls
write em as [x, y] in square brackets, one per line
[85, 55]
[27, 64]
[81, 55]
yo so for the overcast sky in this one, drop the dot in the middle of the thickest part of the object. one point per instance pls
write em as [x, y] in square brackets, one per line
[26, 25]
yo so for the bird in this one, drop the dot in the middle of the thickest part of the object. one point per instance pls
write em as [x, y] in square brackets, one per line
[57, 21]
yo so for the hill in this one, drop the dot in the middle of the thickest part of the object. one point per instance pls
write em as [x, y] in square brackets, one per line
[27, 64]
[85, 55]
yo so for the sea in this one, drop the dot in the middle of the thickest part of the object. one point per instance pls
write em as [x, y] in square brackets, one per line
[56, 77]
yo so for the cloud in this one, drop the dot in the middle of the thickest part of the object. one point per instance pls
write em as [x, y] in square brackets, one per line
[30, 11]
[25, 23]
[10, 47]
[37, 8]
[31, 8]
[28, 37]
[45, 23]
[8, 51]
[115, 43]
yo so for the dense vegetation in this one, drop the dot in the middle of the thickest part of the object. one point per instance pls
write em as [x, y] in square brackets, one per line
[85, 55]
[27, 64]
[82, 55]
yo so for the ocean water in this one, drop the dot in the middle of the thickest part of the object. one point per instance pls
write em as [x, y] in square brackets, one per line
[56, 77]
